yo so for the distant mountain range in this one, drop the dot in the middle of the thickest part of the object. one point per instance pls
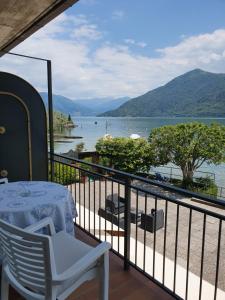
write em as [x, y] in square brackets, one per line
[101, 105]
[86, 107]
[196, 93]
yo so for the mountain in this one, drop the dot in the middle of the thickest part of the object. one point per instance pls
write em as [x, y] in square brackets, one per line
[196, 93]
[67, 106]
[103, 104]
[85, 107]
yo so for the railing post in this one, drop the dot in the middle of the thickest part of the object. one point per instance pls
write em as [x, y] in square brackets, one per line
[127, 223]
[50, 118]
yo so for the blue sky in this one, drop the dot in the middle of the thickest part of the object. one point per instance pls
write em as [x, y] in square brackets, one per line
[158, 23]
[116, 48]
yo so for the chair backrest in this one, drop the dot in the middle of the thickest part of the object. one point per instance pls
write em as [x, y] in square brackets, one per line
[114, 205]
[27, 256]
[3, 180]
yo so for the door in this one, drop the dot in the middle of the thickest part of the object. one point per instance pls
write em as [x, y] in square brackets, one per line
[15, 139]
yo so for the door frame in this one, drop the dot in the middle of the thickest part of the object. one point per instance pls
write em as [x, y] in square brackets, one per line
[20, 100]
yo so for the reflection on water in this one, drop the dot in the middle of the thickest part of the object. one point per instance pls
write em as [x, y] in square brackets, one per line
[92, 128]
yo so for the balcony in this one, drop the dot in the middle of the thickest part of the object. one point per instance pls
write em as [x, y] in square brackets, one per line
[182, 259]
[185, 257]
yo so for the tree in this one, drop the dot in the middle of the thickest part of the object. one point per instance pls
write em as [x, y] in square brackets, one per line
[188, 146]
[69, 118]
[126, 154]
[80, 147]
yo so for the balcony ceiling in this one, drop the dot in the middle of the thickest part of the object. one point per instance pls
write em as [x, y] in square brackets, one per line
[20, 19]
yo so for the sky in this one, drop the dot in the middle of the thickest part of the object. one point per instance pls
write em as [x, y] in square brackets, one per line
[117, 48]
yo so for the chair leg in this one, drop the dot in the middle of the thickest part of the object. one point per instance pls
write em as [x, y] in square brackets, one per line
[104, 277]
[4, 287]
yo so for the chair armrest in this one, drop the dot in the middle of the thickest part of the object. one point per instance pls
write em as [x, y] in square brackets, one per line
[46, 222]
[84, 263]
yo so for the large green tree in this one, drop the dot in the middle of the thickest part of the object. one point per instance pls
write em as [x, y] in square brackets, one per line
[188, 146]
[126, 154]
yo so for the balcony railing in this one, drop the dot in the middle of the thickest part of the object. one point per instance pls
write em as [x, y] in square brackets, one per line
[174, 237]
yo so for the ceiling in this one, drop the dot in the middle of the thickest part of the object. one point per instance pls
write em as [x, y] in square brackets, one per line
[21, 18]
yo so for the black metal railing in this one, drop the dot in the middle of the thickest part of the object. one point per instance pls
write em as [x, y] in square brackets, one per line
[173, 236]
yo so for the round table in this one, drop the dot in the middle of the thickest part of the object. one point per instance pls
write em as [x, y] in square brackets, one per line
[24, 203]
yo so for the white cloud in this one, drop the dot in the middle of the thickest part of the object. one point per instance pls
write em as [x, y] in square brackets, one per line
[142, 44]
[118, 15]
[90, 70]
[129, 41]
[87, 31]
[135, 43]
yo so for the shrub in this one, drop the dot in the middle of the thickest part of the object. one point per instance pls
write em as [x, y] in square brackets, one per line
[64, 174]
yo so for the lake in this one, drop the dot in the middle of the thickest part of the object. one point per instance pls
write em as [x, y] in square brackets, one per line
[93, 128]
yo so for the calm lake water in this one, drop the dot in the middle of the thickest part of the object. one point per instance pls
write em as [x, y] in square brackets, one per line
[92, 128]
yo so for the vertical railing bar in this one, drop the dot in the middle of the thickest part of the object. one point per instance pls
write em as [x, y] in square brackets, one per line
[119, 219]
[127, 223]
[79, 199]
[188, 253]
[60, 177]
[164, 243]
[63, 171]
[218, 259]
[55, 178]
[75, 190]
[176, 246]
[69, 185]
[136, 233]
[84, 197]
[145, 233]
[94, 205]
[59, 172]
[105, 204]
[100, 205]
[154, 238]
[112, 219]
[89, 203]
[202, 256]
[50, 118]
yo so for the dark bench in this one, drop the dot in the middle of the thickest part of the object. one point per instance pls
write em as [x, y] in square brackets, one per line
[115, 204]
[117, 220]
[154, 221]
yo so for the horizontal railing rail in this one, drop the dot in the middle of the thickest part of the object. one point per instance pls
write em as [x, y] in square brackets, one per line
[163, 185]
[173, 236]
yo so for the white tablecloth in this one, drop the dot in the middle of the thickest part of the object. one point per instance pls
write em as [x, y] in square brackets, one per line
[24, 203]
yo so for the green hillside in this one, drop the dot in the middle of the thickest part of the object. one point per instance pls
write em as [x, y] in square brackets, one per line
[196, 93]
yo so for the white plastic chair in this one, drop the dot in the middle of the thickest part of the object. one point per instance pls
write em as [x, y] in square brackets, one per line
[3, 180]
[42, 267]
